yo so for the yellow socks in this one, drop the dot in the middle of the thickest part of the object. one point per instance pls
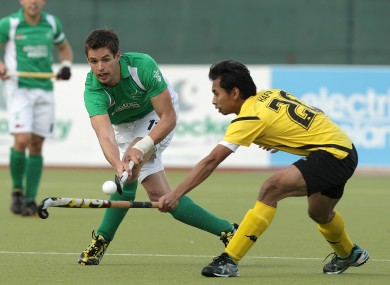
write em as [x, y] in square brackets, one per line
[260, 217]
[334, 232]
[252, 226]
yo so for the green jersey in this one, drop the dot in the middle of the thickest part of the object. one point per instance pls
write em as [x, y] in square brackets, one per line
[129, 100]
[29, 47]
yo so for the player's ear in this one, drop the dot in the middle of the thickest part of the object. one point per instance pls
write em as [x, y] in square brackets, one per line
[118, 55]
[236, 93]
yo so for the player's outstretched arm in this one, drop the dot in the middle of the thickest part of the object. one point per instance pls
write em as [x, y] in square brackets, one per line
[105, 134]
[195, 177]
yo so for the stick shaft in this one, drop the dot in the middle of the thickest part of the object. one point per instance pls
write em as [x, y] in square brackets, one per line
[88, 203]
[127, 204]
[26, 74]
[94, 203]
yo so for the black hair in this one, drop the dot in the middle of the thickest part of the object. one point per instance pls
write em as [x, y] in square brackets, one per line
[233, 74]
[102, 38]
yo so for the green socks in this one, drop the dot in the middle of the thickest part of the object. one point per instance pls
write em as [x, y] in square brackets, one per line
[192, 214]
[17, 166]
[31, 167]
[34, 167]
[113, 217]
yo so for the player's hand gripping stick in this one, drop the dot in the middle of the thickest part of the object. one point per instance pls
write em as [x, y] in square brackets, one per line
[120, 182]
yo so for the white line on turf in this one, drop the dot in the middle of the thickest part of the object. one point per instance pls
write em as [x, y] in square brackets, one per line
[171, 255]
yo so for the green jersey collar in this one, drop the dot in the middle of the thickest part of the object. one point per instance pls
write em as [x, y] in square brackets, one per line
[21, 15]
[124, 67]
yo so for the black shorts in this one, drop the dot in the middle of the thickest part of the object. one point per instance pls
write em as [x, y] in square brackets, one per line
[325, 173]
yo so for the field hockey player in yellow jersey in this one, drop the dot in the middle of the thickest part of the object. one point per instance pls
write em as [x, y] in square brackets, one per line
[277, 120]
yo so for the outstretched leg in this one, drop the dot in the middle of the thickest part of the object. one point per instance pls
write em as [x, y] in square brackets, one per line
[187, 211]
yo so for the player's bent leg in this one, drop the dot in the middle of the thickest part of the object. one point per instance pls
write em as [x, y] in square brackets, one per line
[335, 234]
[113, 217]
[346, 254]
[253, 225]
[94, 252]
[255, 222]
[331, 226]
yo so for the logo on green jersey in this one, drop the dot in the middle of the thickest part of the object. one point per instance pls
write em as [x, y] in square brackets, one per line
[36, 51]
[157, 75]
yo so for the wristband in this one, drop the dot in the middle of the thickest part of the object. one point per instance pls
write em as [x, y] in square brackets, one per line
[66, 63]
[145, 145]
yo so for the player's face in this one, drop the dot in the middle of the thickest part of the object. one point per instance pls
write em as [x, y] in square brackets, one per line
[105, 66]
[224, 102]
[32, 8]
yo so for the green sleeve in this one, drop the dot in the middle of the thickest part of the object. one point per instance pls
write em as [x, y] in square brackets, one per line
[4, 30]
[59, 36]
[151, 77]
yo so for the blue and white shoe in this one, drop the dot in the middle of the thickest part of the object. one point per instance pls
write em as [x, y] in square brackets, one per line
[338, 265]
[221, 266]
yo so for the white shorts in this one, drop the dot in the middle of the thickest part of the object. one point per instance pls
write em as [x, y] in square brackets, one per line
[30, 110]
[126, 133]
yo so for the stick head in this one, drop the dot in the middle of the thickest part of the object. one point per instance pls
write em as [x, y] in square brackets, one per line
[120, 182]
[42, 209]
[119, 185]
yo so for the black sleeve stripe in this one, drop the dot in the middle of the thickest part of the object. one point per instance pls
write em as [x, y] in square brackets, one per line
[310, 146]
[252, 118]
[339, 147]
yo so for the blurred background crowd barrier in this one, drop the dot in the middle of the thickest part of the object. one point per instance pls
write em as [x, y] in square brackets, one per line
[335, 54]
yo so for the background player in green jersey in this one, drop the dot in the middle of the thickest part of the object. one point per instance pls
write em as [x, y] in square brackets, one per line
[28, 37]
[133, 111]
[276, 120]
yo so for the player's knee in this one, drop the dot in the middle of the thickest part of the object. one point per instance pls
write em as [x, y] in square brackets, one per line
[36, 144]
[319, 216]
[154, 196]
[270, 192]
[22, 141]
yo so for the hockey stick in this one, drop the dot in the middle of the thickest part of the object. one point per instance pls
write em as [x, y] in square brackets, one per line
[88, 203]
[26, 74]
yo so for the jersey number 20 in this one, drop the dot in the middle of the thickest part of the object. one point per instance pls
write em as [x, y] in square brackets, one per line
[297, 112]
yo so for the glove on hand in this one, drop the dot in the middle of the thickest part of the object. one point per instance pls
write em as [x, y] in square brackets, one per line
[64, 73]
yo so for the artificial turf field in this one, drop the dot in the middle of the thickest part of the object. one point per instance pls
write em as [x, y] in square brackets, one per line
[152, 248]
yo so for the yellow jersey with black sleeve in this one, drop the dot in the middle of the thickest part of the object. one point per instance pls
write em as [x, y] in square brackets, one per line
[279, 120]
